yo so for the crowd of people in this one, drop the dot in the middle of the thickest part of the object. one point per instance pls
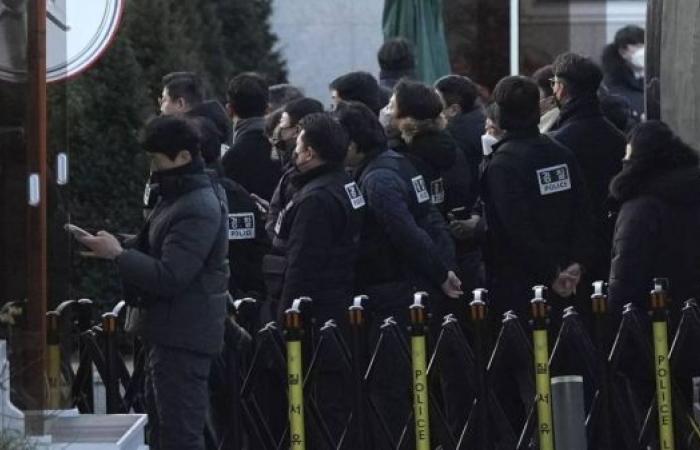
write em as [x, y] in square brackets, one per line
[398, 187]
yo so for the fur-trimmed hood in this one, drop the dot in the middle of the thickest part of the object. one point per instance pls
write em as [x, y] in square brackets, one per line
[676, 186]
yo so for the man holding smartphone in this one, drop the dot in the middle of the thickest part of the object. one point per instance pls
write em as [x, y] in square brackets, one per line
[175, 281]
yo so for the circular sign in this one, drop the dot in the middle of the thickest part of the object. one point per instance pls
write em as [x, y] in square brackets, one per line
[77, 34]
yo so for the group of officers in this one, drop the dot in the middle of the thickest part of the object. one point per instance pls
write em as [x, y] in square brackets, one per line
[397, 189]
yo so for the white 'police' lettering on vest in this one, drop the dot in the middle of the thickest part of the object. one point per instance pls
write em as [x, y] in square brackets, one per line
[241, 226]
[554, 179]
[437, 191]
[421, 191]
[355, 196]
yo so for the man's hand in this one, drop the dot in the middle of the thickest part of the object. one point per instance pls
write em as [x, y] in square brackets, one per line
[566, 282]
[464, 229]
[452, 286]
[103, 245]
[262, 204]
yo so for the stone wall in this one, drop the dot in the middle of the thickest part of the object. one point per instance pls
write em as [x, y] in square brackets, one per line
[680, 68]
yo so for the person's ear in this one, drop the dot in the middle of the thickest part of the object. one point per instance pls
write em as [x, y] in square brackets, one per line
[181, 104]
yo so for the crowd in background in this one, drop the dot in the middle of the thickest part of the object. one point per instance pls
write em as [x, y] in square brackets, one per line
[398, 186]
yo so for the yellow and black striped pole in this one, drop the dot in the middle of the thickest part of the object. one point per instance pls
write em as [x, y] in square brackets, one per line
[54, 362]
[659, 315]
[295, 379]
[543, 399]
[420, 371]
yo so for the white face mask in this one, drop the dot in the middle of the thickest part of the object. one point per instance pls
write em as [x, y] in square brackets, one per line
[637, 59]
[487, 143]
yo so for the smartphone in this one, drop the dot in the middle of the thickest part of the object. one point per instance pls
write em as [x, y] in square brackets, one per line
[76, 231]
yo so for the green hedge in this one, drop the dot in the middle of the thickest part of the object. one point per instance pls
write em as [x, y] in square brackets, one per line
[97, 116]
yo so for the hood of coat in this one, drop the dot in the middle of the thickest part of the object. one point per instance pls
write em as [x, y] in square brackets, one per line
[677, 186]
[435, 148]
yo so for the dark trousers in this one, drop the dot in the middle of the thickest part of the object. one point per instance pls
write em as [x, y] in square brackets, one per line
[176, 394]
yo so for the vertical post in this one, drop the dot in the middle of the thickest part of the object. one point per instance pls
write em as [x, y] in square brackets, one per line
[514, 37]
[540, 342]
[54, 362]
[420, 376]
[478, 311]
[84, 324]
[111, 381]
[659, 316]
[357, 329]
[37, 292]
[295, 379]
[599, 302]
[569, 412]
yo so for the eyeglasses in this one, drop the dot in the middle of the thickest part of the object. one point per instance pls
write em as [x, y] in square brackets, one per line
[553, 81]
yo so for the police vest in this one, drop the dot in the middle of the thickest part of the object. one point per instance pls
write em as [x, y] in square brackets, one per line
[341, 258]
[379, 261]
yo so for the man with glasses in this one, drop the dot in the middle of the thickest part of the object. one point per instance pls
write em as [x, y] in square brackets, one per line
[598, 146]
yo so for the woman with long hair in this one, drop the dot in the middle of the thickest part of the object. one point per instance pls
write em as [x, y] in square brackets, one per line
[656, 233]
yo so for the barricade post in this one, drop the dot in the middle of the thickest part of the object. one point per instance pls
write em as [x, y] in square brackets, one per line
[111, 379]
[53, 367]
[599, 301]
[85, 391]
[357, 329]
[295, 376]
[659, 316]
[540, 343]
[478, 311]
[421, 414]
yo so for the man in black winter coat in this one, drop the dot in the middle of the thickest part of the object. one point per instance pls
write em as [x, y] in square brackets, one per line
[403, 238]
[465, 121]
[316, 241]
[597, 144]
[623, 65]
[656, 234]
[249, 160]
[175, 280]
[535, 205]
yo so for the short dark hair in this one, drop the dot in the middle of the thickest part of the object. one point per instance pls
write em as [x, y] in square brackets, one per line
[327, 137]
[281, 94]
[542, 77]
[170, 135]
[358, 86]
[362, 126]
[417, 100]
[184, 85]
[248, 94]
[581, 75]
[396, 54]
[457, 89]
[518, 102]
[629, 35]
[301, 107]
[209, 140]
